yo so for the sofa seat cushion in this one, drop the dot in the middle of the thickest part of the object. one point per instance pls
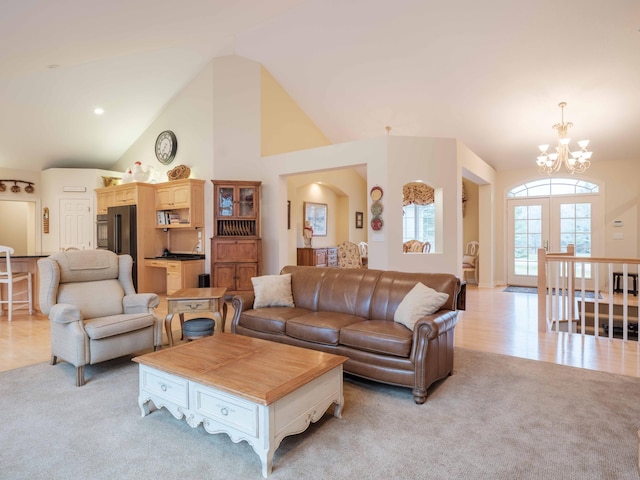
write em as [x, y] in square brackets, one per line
[320, 327]
[103, 327]
[378, 336]
[269, 319]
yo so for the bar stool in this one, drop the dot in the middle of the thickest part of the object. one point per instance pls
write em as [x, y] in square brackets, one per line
[8, 278]
[198, 328]
[618, 279]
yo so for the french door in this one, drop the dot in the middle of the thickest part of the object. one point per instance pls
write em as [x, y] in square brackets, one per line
[551, 223]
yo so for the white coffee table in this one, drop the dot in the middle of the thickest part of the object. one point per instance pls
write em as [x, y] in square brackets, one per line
[250, 389]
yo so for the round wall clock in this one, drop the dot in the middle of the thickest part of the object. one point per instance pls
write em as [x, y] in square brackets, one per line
[166, 147]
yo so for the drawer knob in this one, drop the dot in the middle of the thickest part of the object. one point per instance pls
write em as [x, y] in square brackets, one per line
[163, 387]
[224, 411]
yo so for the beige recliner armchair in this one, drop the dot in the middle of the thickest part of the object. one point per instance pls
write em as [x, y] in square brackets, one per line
[94, 312]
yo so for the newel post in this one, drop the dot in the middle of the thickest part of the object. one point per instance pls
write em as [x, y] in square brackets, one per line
[542, 290]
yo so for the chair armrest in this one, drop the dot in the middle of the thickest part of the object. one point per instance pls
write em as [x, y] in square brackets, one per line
[240, 303]
[65, 313]
[140, 302]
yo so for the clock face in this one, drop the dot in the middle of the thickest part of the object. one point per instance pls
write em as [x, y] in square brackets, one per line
[166, 147]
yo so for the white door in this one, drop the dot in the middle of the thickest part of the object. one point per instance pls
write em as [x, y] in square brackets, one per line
[551, 223]
[76, 223]
[528, 224]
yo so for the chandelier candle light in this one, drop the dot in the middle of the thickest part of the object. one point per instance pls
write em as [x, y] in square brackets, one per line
[574, 162]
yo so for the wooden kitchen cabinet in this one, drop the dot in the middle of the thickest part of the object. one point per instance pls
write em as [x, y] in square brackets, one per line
[179, 274]
[182, 200]
[104, 197]
[116, 195]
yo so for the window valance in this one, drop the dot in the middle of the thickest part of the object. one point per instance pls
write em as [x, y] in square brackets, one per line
[417, 193]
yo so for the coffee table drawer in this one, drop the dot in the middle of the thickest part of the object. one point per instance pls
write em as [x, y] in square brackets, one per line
[234, 412]
[163, 385]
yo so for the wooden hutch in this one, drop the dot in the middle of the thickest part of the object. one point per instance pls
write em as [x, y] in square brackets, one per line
[236, 247]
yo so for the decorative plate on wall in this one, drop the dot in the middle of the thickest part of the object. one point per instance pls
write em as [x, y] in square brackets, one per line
[376, 223]
[376, 208]
[376, 193]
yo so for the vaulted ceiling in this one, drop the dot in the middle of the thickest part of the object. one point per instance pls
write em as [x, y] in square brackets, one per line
[489, 73]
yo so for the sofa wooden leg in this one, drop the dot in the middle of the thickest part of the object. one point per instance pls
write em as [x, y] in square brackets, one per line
[80, 376]
[53, 360]
[419, 396]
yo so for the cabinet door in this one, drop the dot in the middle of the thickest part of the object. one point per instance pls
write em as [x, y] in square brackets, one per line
[224, 275]
[174, 277]
[125, 196]
[244, 272]
[235, 251]
[104, 200]
[225, 198]
[246, 202]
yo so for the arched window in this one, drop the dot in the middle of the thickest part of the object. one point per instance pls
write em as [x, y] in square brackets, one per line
[553, 186]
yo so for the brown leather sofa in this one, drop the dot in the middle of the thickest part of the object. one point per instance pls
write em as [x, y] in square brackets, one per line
[350, 312]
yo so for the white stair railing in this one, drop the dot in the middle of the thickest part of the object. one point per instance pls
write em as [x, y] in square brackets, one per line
[570, 292]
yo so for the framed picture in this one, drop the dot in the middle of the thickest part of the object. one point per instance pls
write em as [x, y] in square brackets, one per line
[316, 215]
[288, 214]
[359, 219]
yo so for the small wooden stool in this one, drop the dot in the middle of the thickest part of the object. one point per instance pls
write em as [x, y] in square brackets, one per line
[198, 328]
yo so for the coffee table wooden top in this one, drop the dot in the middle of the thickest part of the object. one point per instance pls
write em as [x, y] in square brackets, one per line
[258, 370]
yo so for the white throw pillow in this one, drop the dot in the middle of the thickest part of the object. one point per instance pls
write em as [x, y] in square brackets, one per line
[469, 260]
[272, 291]
[420, 301]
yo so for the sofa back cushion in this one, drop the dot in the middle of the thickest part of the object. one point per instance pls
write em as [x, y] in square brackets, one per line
[372, 294]
[392, 287]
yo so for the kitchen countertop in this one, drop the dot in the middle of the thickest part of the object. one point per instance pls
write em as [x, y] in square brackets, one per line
[178, 256]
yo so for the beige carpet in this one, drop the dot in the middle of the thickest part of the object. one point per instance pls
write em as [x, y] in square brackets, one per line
[497, 417]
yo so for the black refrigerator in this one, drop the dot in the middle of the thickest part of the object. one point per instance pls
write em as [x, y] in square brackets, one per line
[122, 238]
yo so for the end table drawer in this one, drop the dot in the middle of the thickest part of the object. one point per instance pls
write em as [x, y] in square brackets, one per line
[163, 385]
[231, 411]
[193, 306]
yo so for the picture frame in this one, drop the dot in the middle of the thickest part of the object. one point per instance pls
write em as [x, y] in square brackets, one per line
[316, 214]
[359, 219]
[288, 214]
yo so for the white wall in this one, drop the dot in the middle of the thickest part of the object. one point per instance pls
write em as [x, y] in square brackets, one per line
[14, 216]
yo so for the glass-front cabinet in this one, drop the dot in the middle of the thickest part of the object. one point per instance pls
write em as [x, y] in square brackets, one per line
[237, 209]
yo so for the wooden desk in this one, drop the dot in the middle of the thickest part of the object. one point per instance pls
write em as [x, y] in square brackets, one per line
[194, 300]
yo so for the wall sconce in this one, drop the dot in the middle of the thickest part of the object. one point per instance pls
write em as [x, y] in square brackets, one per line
[16, 188]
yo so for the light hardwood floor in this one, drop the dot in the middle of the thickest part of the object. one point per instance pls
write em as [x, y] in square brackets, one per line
[494, 321]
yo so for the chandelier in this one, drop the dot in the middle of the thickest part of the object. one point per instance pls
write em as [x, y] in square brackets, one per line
[574, 161]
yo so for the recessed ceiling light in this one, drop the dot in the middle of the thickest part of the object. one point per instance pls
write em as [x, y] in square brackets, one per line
[98, 111]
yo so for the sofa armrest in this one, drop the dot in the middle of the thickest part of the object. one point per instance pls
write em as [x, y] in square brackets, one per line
[65, 313]
[436, 324]
[429, 328]
[140, 302]
[240, 302]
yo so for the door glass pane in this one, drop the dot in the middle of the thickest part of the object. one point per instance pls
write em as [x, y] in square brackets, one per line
[575, 227]
[527, 237]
